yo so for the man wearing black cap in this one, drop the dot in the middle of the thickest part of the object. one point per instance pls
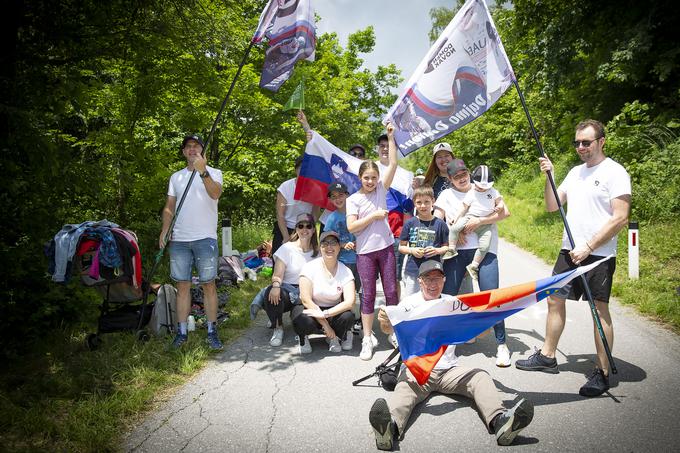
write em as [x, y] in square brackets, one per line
[194, 236]
[389, 422]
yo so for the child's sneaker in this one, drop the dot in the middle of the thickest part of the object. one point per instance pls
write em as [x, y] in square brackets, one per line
[366, 349]
[473, 270]
[451, 253]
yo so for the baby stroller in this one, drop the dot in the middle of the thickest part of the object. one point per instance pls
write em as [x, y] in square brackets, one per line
[107, 258]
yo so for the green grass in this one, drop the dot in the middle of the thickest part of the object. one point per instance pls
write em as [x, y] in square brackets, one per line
[655, 294]
[62, 397]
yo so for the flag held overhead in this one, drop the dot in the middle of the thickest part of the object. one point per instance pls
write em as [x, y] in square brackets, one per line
[289, 27]
[461, 77]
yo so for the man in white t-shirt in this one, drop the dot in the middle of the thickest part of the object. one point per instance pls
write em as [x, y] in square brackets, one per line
[193, 241]
[389, 422]
[598, 194]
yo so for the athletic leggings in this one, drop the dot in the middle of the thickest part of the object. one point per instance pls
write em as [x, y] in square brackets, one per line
[368, 265]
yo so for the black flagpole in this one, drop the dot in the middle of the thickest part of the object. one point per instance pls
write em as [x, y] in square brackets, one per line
[589, 295]
[159, 255]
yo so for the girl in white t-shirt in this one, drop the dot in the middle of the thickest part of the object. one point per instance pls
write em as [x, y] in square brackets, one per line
[327, 296]
[367, 220]
[289, 260]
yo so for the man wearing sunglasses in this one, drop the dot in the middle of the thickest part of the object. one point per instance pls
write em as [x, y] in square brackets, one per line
[598, 193]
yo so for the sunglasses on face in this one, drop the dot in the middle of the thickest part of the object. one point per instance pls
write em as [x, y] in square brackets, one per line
[358, 154]
[584, 143]
[331, 243]
[302, 225]
[432, 280]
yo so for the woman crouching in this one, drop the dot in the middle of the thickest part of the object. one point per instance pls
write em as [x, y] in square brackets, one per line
[327, 296]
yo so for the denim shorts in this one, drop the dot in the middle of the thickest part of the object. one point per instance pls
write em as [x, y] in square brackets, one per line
[202, 254]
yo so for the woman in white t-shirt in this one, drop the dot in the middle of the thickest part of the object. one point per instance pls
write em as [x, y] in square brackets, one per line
[367, 220]
[448, 206]
[327, 296]
[282, 295]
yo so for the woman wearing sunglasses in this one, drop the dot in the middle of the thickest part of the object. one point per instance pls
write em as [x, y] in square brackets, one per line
[327, 296]
[283, 293]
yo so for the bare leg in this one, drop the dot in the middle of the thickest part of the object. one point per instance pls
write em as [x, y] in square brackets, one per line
[367, 323]
[183, 301]
[554, 325]
[608, 328]
[210, 300]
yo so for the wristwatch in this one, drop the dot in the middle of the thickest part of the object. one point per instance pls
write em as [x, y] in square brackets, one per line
[205, 174]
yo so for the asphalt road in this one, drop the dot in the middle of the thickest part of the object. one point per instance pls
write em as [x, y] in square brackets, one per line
[255, 398]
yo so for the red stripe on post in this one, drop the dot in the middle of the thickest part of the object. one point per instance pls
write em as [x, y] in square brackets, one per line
[634, 238]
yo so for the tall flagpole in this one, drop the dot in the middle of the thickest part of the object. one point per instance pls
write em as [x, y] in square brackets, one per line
[589, 295]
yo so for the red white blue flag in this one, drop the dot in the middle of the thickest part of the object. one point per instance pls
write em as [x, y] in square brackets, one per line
[462, 76]
[424, 330]
[324, 164]
[289, 27]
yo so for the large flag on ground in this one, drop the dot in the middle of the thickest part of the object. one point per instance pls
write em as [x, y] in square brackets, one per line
[424, 331]
[289, 26]
[462, 76]
[323, 164]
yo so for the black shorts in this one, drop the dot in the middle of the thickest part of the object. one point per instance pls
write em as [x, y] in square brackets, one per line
[599, 279]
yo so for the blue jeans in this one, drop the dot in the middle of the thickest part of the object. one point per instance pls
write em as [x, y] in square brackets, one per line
[202, 254]
[488, 279]
[259, 300]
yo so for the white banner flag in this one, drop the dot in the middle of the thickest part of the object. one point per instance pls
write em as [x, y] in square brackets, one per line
[462, 76]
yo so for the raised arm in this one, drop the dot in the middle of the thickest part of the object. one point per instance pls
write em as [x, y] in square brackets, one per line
[392, 165]
[302, 119]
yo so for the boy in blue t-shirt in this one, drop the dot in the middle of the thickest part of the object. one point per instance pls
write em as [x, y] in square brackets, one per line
[424, 237]
[337, 221]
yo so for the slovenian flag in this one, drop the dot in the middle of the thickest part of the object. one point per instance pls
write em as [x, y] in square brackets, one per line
[425, 330]
[324, 164]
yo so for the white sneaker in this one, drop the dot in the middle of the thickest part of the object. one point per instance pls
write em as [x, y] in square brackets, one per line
[304, 348]
[347, 342]
[366, 349]
[374, 340]
[503, 356]
[334, 345]
[392, 338]
[277, 337]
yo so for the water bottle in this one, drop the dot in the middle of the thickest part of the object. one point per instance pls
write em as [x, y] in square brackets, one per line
[191, 323]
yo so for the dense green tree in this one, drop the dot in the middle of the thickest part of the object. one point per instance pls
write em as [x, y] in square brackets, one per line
[96, 97]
